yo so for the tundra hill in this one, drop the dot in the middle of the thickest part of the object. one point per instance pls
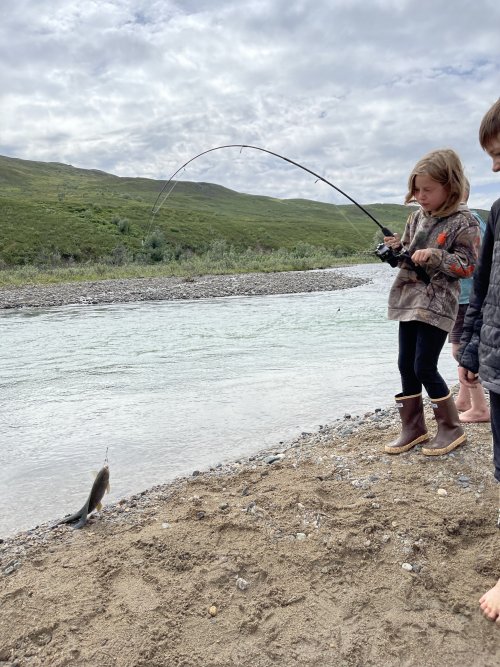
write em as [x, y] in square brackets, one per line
[49, 208]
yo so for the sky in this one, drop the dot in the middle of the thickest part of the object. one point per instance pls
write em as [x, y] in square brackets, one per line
[355, 90]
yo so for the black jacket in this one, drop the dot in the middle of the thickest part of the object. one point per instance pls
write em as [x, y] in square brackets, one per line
[480, 342]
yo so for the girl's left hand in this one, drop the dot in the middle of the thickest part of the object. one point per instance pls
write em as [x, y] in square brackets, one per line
[421, 256]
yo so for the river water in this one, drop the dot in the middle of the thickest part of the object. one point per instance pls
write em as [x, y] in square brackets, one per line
[170, 387]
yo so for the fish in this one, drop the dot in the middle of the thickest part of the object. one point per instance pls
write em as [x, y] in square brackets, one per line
[99, 488]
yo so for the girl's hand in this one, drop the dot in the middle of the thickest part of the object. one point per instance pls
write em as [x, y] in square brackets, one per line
[393, 242]
[421, 256]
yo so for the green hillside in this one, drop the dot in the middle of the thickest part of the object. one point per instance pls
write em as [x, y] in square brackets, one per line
[56, 210]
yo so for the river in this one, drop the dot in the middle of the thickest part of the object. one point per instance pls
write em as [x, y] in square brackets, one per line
[173, 386]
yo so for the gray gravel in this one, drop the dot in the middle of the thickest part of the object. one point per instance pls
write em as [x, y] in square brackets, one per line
[157, 289]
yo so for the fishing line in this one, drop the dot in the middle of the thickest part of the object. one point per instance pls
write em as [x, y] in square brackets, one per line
[161, 197]
[340, 210]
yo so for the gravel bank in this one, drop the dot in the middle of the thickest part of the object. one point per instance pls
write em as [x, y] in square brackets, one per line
[323, 551]
[170, 288]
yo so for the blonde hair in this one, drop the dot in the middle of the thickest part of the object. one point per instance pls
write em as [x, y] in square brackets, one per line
[466, 190]
[490, 125]
[445, 167]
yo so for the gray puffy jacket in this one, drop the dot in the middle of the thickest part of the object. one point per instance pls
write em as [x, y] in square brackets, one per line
[480, 342]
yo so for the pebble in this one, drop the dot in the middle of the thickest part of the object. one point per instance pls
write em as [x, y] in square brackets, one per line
[274, 458]
[241, 584]
[442, 492]
[407, 566]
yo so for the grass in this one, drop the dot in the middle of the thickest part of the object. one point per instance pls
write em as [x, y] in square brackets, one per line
[208, 263]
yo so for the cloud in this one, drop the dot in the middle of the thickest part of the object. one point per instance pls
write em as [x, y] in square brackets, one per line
[355, 91]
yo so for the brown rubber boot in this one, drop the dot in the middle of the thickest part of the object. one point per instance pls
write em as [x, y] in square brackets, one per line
[450, 433]
[411, 411]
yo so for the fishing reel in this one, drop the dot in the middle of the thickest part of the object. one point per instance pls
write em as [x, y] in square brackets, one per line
[386, 254]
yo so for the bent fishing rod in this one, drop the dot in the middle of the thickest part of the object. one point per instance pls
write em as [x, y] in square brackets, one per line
[385, 230]
[384, 252]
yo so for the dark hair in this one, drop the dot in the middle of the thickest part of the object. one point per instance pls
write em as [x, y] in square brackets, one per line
[445, 167]
[490, 125]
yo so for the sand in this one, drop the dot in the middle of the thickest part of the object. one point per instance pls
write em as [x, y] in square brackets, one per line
[323, 552]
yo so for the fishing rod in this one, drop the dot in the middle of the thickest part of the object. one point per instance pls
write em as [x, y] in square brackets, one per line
[383, 252]
[156, 208]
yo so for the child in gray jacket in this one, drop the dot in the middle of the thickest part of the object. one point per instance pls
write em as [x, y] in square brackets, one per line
[479, 354]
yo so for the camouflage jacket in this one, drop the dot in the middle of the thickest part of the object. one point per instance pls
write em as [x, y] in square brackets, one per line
[454, 241]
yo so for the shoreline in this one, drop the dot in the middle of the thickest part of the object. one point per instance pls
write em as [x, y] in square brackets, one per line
[173, 288]
[308, 553]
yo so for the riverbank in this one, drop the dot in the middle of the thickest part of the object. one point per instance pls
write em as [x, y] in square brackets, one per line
[172, 288]
[323, 551]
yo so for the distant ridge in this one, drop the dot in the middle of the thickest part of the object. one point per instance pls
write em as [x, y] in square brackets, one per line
[87, 214]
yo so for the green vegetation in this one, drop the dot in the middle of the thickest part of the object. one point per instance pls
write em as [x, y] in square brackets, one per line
[219, 259]
[60, 223]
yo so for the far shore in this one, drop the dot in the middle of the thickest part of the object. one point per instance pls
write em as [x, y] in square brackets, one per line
[174, 288]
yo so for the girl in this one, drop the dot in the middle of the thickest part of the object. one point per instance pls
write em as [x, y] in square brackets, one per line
[442, 238]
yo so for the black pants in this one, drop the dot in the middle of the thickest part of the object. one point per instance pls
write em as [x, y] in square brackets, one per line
[420, 345]
[495, 430]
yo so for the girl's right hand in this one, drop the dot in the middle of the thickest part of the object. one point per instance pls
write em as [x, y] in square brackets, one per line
[393, 242]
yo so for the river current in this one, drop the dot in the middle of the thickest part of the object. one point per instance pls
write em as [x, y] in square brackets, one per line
[172, 386]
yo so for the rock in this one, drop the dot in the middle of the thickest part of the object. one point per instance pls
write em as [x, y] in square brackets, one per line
[241, 584]
[274, 458]
[442, 492]
[407, 566]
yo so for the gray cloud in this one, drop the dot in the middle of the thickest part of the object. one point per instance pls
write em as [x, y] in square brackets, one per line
[356, 91]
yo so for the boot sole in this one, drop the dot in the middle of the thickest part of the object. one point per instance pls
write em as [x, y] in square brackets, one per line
[405, 448]
[444, 450]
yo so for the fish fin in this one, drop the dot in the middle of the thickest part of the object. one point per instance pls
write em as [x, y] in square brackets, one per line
[99, 507]
[108, 488]
[69, 518]
[95, 473]
[82, 522]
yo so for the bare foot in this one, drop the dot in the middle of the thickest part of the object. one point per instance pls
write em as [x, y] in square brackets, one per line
[472, 415]
[462, 404]
[490, 603]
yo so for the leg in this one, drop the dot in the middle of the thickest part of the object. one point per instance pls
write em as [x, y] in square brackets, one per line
[479, 410]
[408, 334]
[495, 431]
[430, 341]
[463, 399]
[409, 402]
[450, 434]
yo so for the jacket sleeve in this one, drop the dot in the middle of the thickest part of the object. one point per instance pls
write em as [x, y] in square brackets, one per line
[461, 261]
[468, 354]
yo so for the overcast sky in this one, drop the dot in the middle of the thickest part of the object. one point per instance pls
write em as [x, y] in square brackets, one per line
[356, 90]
